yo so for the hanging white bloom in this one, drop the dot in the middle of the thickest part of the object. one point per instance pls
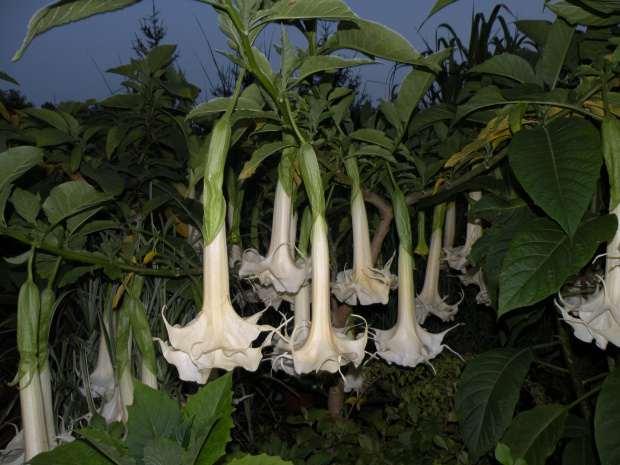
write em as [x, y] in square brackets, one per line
[407, 343]
[218, 337]
[363, 283]
[278, 268]
[457, 256]
[428, 301]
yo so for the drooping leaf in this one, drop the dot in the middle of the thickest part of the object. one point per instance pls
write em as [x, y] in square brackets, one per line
[6, 77]
[65, 11]
[579, 451]
[315, 64]
[152, 415]
[541, 256]
[501, 211]
[15, 161]
[506, 64]
[558, 166]
[487, 396]
[373, 136]
[123, 101]
[26, 204]
[376, 151]
[607, 420]
[533, 435]
[575, 14]
[50, 117]
[220, 105]
[537, 30]
[70, 198]
[73, 275]
[376, 40]
[259, 156]
[330, 10]
[555, 50]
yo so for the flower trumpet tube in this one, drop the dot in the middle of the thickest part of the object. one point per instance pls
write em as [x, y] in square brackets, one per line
[598, 317]
[362, 283]
[428, 301]
[278, 268]
[325, 348]
[407, 343]
[457, 256]
[218, 337]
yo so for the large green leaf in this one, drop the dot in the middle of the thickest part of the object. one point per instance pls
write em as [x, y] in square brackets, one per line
[314, 64]
[113, 448]
[575, 14]
[78, 452]
[259, 156]
[506, 64]
[541, 256]
[65, 11]
[487, 396]
[376, 40]
[555, 50]
[330, 10]
[501, 211]
[162, 451]
[414, 86]
[558, 165]
[533, 435]
[607, 420]
[152, 415]
[50, 117]
[70, 198]
[262, 459]
[579, 451]
[16, 161]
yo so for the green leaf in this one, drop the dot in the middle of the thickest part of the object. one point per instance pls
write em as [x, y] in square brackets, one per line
[109, 446]
[436, 7]
[50, 117]
[152, 415]
[52, 136]
[508, 65]
[579, 451]
[500, 239]
[558, 166]
[555, 50]
[262, 459]
[607, 420]
[259, 156]
[533, 435]
[376, 151]
[15, 161]
[70, 198]
[6, 77]
[487, 396]
[221, 104]
[500, 211]
[373, 136]
[541, 256]
[415, 85]
[74, 274]
[162, 451]
[577, 15]
[376, 40]
[78, 452]
[160, 56]
[537, 30]
[329, 10]
[26, 204]
[315, 64]
[65, 11]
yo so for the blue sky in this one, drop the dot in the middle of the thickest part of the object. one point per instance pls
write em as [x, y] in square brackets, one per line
[61, 64]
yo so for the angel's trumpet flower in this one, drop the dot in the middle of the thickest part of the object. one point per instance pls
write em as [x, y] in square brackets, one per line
[429, 301]
[278, 268]
[363, 283]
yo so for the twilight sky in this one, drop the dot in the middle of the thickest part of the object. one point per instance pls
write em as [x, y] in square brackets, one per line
[62, 64]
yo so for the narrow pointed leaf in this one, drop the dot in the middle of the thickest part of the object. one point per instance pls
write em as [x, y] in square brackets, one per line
[541, 256]
[607, 420]
[506, 64]
[534, 434]
[438, 6]
[221, 104]
[555, 50]
[65, 11]
[314, 64]
[487, 396]
[259, 156]
[558, 165]
[376, 40]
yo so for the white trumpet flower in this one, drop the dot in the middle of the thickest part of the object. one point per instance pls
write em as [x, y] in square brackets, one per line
[407, 343]
[218, 337]
[598, 316]
[457, 256]
[428, 301]
[363, 283]
[278, 268]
